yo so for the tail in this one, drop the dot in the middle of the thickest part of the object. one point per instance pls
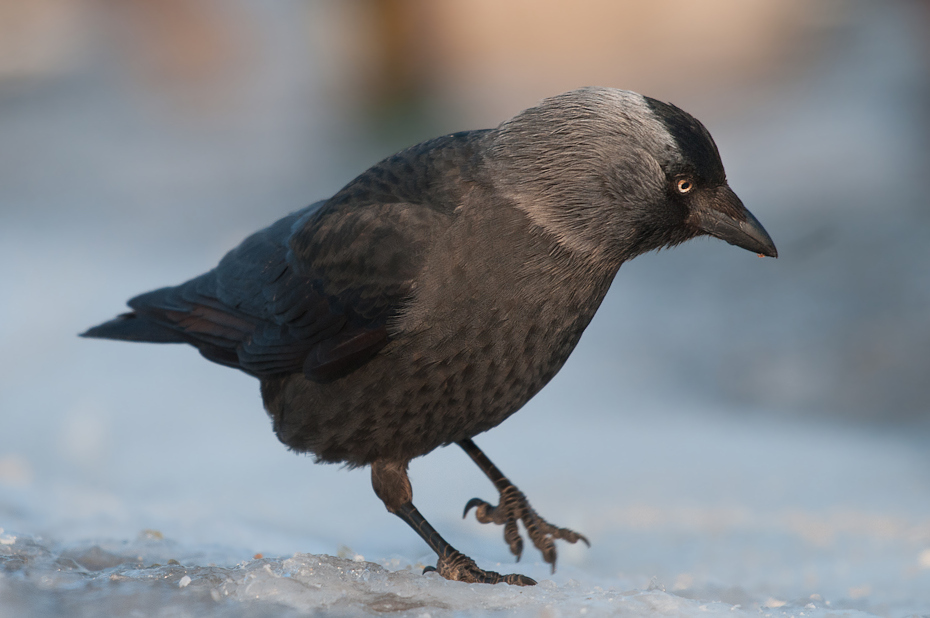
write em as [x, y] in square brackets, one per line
[186, 313]
[134, 327]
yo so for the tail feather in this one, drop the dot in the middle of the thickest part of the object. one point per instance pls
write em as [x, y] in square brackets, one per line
[133, 327]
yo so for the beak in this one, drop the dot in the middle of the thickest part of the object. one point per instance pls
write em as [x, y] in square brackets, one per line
[723, 216]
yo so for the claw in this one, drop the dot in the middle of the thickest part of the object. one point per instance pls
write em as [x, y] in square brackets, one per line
[472, 504]
[549, 556]
[513, 506]
[428, 569]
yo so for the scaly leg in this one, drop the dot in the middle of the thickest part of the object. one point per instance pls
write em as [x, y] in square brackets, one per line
[514, 506]
[392, 485]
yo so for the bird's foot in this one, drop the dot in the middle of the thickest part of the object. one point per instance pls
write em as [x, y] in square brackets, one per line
[457, 566]
[514, 506]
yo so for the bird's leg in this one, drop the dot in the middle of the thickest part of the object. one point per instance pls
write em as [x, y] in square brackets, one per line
[514, 506]
[392, 485]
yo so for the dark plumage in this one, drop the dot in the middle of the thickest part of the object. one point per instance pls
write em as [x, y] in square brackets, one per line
[436, 293]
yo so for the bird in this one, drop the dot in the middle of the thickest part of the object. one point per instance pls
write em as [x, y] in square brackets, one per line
[436, 293]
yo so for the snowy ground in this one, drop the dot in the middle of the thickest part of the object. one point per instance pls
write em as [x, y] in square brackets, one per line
[736, 436]
[687, 514]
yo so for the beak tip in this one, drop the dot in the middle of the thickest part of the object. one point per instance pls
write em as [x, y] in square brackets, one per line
[750, 236]
[769, 251]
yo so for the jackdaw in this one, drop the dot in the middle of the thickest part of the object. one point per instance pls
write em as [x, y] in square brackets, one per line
[436, 293]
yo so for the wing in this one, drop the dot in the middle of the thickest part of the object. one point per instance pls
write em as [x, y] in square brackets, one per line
[315, 291]
[268, 310]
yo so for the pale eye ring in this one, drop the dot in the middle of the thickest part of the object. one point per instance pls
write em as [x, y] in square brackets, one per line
[684, 185]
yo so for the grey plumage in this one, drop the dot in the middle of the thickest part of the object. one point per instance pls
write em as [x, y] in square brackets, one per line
[436, 293]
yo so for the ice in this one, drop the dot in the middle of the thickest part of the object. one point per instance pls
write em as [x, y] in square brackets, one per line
[775, 534]
[94, 581]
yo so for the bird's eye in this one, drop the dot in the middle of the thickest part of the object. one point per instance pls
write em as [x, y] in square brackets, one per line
[684, 185]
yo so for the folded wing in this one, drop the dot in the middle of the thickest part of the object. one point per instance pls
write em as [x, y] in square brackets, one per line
[269, 309]
[315, 291]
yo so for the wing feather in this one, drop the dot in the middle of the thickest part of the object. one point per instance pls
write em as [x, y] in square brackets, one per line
[314, 292]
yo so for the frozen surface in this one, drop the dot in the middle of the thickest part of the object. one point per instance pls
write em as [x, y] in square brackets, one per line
[305, 583]
[687, 514]
[735, 436]
[87, 585]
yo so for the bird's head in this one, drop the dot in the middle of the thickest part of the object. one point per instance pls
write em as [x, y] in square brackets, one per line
[613, 174]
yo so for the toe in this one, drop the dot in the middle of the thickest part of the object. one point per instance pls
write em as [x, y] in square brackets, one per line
[515, 579]
[512, 538]
[459, 567]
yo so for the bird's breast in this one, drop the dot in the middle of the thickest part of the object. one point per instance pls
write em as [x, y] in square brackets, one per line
[496, 315]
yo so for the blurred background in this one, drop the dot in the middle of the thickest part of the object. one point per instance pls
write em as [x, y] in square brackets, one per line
[140, 140]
